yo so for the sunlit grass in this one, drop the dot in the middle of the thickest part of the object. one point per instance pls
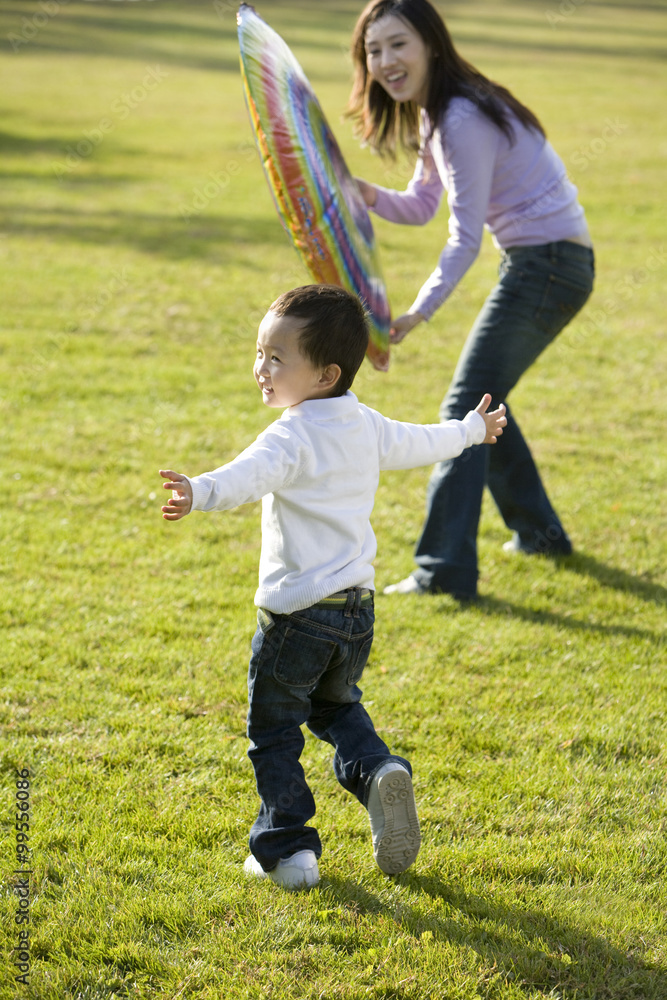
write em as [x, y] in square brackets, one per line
[132, 280]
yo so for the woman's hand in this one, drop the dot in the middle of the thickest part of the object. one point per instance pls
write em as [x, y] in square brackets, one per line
[401, 327]
[368, 191]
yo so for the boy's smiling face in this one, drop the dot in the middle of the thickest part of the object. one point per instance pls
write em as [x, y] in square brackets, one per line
[285, 376]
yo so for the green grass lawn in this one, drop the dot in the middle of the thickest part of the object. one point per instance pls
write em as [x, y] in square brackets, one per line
[139, 248]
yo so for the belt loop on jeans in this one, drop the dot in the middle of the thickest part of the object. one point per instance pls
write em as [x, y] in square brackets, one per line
[352, 606]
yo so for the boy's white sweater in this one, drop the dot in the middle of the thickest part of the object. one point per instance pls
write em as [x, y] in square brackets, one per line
[316, 470]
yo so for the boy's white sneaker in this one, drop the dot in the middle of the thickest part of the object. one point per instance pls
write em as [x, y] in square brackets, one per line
[299, 871]
[392, 811]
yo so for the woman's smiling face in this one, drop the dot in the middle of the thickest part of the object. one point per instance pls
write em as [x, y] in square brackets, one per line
[398, 59]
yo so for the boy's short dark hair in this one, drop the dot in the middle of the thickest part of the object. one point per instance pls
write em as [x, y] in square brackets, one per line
[335, 329]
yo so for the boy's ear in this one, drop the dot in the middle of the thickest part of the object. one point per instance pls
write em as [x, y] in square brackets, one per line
[329, 376]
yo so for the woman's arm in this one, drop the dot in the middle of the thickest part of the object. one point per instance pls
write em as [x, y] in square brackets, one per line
[470, 157]
[416, 205]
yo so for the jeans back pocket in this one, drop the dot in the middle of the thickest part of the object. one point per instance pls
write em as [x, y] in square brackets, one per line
[363, 651]
[302, 658]
[561, 301]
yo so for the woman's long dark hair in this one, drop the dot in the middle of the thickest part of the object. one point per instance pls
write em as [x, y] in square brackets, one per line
[384, 123]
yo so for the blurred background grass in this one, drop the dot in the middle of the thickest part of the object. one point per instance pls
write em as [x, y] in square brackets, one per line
[139, 249]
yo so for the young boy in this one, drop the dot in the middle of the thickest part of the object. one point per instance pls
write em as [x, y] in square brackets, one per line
[316, 470]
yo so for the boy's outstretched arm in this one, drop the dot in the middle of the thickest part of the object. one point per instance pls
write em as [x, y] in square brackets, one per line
[181, 500]
[495, 421]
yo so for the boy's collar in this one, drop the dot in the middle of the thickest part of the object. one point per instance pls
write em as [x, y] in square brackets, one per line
[331, 406]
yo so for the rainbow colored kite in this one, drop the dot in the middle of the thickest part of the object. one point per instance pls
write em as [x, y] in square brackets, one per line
[317, 199]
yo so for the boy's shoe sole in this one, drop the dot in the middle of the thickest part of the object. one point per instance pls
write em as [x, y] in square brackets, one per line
[392, 811]
[299, 871]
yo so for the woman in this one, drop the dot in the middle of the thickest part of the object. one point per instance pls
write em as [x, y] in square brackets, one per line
[489, 152]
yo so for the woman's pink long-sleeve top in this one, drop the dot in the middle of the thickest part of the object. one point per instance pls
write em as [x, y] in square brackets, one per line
[520, 191]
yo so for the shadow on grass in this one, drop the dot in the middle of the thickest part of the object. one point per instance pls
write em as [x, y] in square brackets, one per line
[176, 36]
[226, 238]
[574, 28]
[201, 35]
[12, 144]
[617, 579]
[606, 576]
[492, 605]
[525, 947]
[90, 29]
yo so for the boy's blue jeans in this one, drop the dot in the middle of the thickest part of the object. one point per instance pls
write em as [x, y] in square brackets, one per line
[540, 289]
[305, 668]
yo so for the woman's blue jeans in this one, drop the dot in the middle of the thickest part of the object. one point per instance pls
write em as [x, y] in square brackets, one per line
[540, 289]
[305, 669]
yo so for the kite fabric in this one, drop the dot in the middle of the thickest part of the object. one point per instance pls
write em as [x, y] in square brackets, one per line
[317, 199]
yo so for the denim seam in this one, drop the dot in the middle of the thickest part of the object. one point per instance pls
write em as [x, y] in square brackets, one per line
[308, 627]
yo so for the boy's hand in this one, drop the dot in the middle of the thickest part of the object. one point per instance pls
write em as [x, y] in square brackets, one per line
[181, 501]
[495, 421]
